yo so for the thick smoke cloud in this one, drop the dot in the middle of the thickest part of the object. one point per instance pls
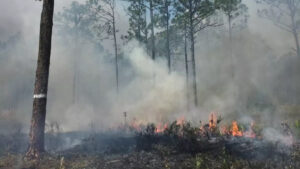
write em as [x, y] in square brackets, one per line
[147, 93]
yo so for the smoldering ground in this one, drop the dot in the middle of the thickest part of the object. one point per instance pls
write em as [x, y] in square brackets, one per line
[262, 86]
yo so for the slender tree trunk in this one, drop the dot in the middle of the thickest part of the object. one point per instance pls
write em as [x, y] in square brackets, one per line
[74, 82]
[36, 135]
[146, 30]
[186, 65]
[193, 53]
[116, 51]
[293, 68]
[295, 33]
[168, 35]
[231, 47]
[146, 33]
[139, 21]
[75, 72]
[296, 37]
[293, 10]
[152, 30]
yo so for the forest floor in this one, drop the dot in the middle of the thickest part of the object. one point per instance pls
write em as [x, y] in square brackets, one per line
[178, 147]
[156, 159]
[88, 156]
[150, 160]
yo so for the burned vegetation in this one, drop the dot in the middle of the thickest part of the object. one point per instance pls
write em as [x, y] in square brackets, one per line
[180, 144]
[169, 58]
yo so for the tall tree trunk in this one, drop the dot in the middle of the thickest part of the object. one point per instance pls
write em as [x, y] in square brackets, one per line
[295, 34]
[193, 53]
[296, 37]
[186, 64]
[36, 135]
[168, 35]
[146, 33]
[74, 96]
[152, 30]
[293, 68]
[231, 46]
[75, 71]
[139, 21]
[116, 51]
[293, 10]
[146, 30]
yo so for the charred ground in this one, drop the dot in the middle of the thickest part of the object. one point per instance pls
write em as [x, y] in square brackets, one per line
[179, 145]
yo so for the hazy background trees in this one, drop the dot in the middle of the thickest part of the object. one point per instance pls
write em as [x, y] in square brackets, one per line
[73, 23]
[236, 16]
[285, 15]
[176, 40]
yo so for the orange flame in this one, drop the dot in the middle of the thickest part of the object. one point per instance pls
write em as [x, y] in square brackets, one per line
[161, 128]
[213, 120]
[235, 129]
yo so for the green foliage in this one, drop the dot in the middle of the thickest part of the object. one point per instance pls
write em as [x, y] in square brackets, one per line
[197, 10]
[74, 20]
[164, 12]
[297, 124]
[138, 28]
[199, 162]
[230, 7]
[102, 13]
[233, 9]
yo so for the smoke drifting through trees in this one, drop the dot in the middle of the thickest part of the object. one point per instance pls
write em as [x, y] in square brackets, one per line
[262, 73]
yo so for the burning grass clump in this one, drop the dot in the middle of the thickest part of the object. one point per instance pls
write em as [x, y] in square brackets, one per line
[245, 141]
[182, 137]
[179, 144]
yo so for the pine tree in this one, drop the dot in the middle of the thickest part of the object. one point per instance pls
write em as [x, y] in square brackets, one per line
[196, 14]
[73, 23]
[104, 13]
[37, 129]
[285, 15]
[137, 21]
[233, 9]
[164, 16]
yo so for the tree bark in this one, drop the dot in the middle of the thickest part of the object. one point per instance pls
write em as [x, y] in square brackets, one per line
[74, 95]
[193, 53]
[295, 34]
[296, 38]
[75, 66]
[139, 21]
[116, 49]
[146, 30]
[186, 65]
[168, 35]
[152, 30]
[231, 47]
[36, 135]
[293, 10]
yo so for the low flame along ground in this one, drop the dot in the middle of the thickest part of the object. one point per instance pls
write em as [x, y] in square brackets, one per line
[233, 129]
